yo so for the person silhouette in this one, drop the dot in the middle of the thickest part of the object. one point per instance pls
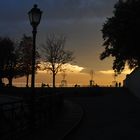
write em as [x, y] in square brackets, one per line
[75, 85]
[116, 84]
[119, 84]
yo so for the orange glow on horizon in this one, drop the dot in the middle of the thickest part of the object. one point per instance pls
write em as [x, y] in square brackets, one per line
[75, 75]
[75, 78]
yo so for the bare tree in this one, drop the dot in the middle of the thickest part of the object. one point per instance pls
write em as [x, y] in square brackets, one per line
[55, 54]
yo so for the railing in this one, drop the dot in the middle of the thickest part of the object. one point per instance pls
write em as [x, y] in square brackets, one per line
[19, 118]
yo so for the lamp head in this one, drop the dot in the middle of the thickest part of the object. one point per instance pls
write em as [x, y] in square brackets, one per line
[35, 16]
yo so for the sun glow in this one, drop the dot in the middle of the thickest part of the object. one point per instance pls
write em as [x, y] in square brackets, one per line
[69, 68]
[125, 71]
[75, 74]
[73, 68]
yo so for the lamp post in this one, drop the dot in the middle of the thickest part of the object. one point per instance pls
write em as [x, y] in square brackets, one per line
[34, 17]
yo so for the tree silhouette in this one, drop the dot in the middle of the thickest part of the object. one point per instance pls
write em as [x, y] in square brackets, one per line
[9, 66]
[55, 54]
[25, 51]
[121, 35]
[6, 45]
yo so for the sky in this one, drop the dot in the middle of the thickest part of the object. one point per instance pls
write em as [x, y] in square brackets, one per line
[79, 20]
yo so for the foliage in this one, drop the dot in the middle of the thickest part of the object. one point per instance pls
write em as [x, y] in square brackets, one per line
[9, 66]
[6, 46]
[55, 54]
[25, 51]
[121, 35]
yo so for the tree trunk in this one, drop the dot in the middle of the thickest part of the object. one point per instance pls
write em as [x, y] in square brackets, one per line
[53, 80]
[27, 80]
[1, 78]
[0, 82]
[10, 81]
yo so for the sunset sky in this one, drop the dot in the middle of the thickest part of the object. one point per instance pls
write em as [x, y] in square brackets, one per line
[79, 20]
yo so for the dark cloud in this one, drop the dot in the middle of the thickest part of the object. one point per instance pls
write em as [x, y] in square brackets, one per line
[56, 9]
[57, 14]
[80, 20]
[64, 9]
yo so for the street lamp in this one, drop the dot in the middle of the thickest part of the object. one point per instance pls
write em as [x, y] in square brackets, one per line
[34, 17]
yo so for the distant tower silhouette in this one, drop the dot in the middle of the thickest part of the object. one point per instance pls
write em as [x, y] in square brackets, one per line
[91, 82]
[63, 81]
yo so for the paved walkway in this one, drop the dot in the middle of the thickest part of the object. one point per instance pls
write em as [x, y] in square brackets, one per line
[112, 116]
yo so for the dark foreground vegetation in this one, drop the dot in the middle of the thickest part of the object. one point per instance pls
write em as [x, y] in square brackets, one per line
[23, 112]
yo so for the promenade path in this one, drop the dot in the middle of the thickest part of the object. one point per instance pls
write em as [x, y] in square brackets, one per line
[114, 115]
[93, 114]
